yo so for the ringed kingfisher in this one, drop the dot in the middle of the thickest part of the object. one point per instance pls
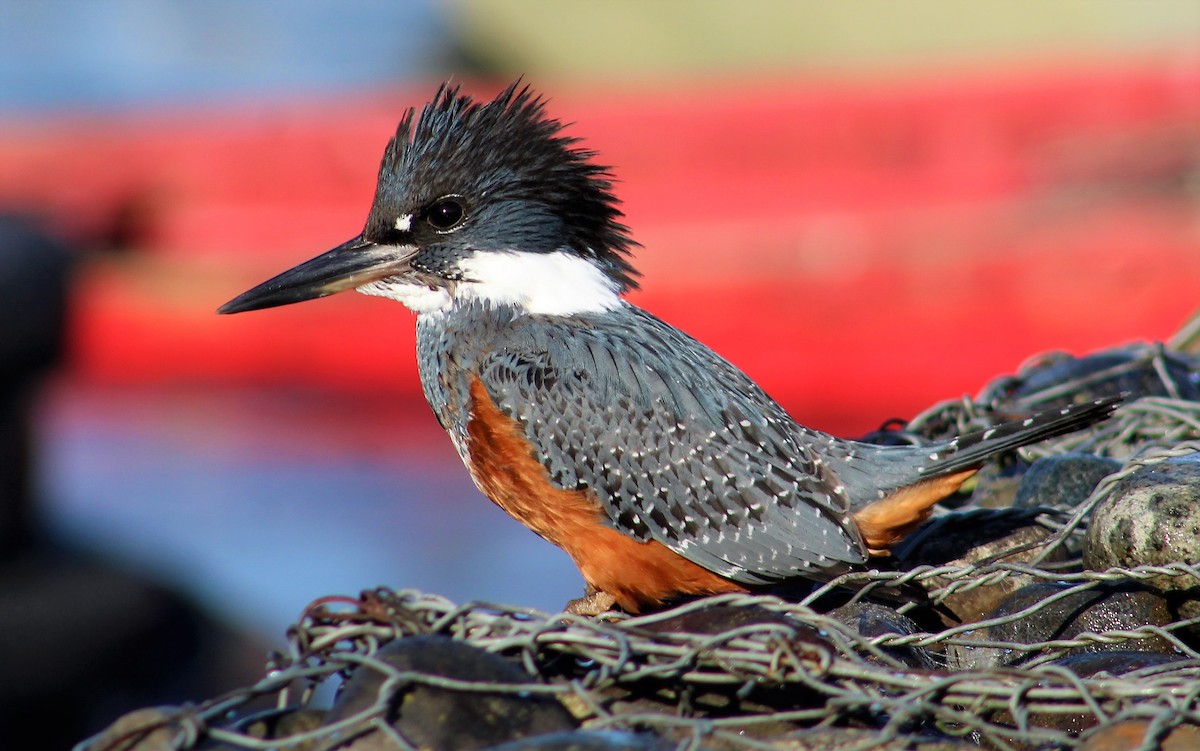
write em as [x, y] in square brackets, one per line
[660, 468]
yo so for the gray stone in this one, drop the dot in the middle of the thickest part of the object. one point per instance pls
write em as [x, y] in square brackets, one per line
[706, 623]
[150, 729]
[1114, 662]
[965, 538]
[1063, 481]
[857, 739]
[1083, 611]
[1129, 370]
[1127, 734]
[1152, 517]
[871, 619]
[435, 718]
[1086, 666]
[278, 724]
[995, 486]
[590, 740]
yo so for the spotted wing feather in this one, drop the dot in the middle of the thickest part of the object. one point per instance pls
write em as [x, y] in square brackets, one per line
[677, 444]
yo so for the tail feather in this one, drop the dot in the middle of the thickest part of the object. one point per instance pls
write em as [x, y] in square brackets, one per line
[970, 450]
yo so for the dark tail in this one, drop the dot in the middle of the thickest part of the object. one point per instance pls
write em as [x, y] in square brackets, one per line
[972, 449]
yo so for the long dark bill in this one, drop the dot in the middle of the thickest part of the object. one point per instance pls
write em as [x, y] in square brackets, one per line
[349, 265]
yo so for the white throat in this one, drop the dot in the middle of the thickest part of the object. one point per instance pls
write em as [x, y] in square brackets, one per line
[555, 284]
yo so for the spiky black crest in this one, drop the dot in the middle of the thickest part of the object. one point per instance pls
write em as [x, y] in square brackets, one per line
[508, 149]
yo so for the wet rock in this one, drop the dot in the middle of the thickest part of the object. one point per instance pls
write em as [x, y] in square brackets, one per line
[1113, 662]
[804, 640]
[855, 739]
[1130, 734]
[974, 537]
[279, 724]
[995, 486]
[718, 618]
[704, 626]
[155, 728]
[725, 702]
[871, 620]
[1063, 481]
[591, 740]
[149, 729]
[1086, 611]
[1068, 723]
[1131, 370]
[435, 718]
[1152, 517]
[1086, 666]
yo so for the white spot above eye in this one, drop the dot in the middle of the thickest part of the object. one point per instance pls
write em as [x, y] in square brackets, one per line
[404, 223]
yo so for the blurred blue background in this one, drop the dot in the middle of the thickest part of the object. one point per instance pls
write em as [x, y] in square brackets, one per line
[114, 54]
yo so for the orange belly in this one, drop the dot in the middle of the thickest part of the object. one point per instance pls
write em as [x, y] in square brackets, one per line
[638, 574]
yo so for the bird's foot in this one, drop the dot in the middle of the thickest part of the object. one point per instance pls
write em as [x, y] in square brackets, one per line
[594, 602]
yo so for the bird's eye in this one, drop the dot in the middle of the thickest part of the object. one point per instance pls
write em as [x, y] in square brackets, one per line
[445, 213]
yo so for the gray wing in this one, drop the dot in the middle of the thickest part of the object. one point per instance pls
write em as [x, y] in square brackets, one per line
[677, 444]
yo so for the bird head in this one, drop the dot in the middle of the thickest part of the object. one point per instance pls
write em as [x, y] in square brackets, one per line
[477, 201]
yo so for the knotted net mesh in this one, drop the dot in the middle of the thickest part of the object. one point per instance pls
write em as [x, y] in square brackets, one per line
[750, 671]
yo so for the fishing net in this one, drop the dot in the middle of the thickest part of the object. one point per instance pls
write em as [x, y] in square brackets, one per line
[766, 672]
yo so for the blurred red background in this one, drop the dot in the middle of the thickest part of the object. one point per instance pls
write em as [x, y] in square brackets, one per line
[862, 245]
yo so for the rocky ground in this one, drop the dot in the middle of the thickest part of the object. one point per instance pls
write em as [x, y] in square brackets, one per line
[1053, 606]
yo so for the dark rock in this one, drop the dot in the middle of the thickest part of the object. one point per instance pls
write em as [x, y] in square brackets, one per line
[1088, 665]
[718, 618]
[590, 740]
[1063, 481]
[856, 739]
[1114, 662]
[975, 537]
[280, 724]
[1152, 517]
[1067, 723]
[995, 486]
[1084, 611]
[284, 723]
[1132, 734]
[703, 627]
[1131, 370]
[713, 620]
[870, 620]
[435, 718]
[149, 729]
